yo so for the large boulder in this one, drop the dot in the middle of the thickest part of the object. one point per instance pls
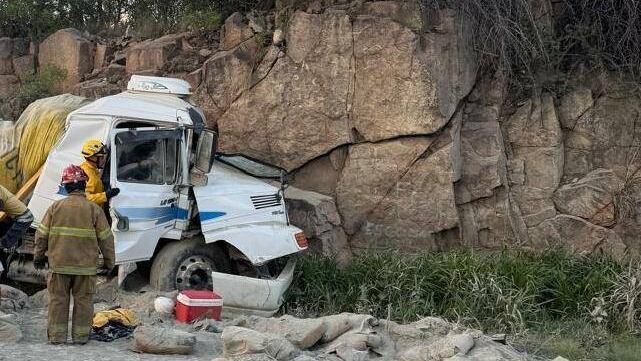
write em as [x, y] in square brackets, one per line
[577, 235]
[152, 55]
[334, 84]
[295, 113]
[573, 105]
[67, 49]
[590, 197]
[415, 212]
[534, 135]
[95, 88]
[225, 76]
[371, 171]
[24, 66]
[234, 32]
[317, 216]
[426, 77]
[103, 52]
[605, 136]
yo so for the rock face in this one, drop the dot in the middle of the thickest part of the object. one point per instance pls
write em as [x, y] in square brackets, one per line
[67, 49]
[391, 64]
[234, 32]
[535, 137]
[590, 197]
[333, 88]
[577, 234]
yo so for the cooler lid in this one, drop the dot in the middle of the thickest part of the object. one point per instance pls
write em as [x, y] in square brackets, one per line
[199, 298]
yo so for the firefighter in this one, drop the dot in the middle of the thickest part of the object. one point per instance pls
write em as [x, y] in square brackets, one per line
[95, 153]
[20, 215]
[72, 232]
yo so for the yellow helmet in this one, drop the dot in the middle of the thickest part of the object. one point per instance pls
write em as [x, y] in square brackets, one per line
[92, 147]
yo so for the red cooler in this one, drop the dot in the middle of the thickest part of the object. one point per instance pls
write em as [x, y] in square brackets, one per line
[192, 305]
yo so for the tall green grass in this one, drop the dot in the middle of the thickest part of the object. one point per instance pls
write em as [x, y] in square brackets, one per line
[501, 292]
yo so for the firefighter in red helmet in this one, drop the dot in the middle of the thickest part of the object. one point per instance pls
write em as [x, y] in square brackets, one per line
[72, 232]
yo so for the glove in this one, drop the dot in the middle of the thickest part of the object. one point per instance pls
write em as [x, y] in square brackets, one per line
[113, 272]
[112, 192]
[39, 264]
[108, 272]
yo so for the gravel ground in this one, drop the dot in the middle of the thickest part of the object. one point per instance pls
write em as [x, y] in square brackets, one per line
[34, 346]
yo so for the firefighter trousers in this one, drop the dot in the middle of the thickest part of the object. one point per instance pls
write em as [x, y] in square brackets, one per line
[61, 287]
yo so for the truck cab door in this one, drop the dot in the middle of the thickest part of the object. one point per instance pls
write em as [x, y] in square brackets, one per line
[145, 165]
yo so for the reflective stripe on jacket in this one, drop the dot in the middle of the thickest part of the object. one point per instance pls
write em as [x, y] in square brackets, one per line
[95, 190]
[73, 232]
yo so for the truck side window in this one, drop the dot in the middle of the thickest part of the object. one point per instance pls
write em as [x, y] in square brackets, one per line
[141, 162]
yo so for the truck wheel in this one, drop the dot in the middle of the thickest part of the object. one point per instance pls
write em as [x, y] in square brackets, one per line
[187, 264]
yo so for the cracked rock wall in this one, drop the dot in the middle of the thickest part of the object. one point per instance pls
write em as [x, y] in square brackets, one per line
[361, 106]
[382, 112]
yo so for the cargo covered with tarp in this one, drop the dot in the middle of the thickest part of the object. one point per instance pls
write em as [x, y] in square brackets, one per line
[34, 134]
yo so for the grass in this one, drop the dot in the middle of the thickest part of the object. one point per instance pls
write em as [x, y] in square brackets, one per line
[551, 303]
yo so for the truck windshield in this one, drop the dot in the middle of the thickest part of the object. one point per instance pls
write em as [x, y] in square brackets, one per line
[250, 166]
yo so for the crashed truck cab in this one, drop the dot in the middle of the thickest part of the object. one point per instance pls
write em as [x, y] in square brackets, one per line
[200, 218]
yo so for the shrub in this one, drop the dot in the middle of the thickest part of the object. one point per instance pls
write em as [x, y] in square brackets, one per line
[535, 45]
[201, 20]
[44, 84]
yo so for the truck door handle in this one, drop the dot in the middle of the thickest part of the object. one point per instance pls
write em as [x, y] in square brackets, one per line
[123, 222]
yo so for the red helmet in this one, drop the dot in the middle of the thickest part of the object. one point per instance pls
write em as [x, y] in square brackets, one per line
[73, 174]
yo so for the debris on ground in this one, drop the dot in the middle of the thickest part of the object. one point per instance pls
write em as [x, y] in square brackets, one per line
[12, 299]
[9, 330]
[163, 341]
[340, 337]
[112, 324]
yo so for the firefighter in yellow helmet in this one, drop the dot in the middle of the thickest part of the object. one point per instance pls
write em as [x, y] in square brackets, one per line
[95, 155]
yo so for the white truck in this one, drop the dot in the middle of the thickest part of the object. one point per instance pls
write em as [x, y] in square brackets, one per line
[190, 217]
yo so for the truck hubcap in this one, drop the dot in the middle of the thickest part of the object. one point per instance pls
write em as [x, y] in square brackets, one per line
[194, 273]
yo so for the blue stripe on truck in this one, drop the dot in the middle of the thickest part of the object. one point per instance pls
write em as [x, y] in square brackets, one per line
[206, 216]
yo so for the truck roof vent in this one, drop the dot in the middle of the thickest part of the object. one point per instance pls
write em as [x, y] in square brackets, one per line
[155, 84]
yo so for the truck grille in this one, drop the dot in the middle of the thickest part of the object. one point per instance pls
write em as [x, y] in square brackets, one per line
[265, 201]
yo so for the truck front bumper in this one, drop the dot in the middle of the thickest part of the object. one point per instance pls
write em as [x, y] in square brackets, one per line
[247, 295]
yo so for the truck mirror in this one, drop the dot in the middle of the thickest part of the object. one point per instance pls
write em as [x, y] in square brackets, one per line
[205, 151]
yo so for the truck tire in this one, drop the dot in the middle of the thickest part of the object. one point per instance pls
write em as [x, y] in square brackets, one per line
[187, 264]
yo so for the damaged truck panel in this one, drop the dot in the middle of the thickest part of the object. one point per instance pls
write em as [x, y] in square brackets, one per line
[244, 211]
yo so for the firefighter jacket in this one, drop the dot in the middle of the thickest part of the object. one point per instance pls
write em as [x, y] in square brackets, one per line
[10, 204]
[95, 190]
[73, 232]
